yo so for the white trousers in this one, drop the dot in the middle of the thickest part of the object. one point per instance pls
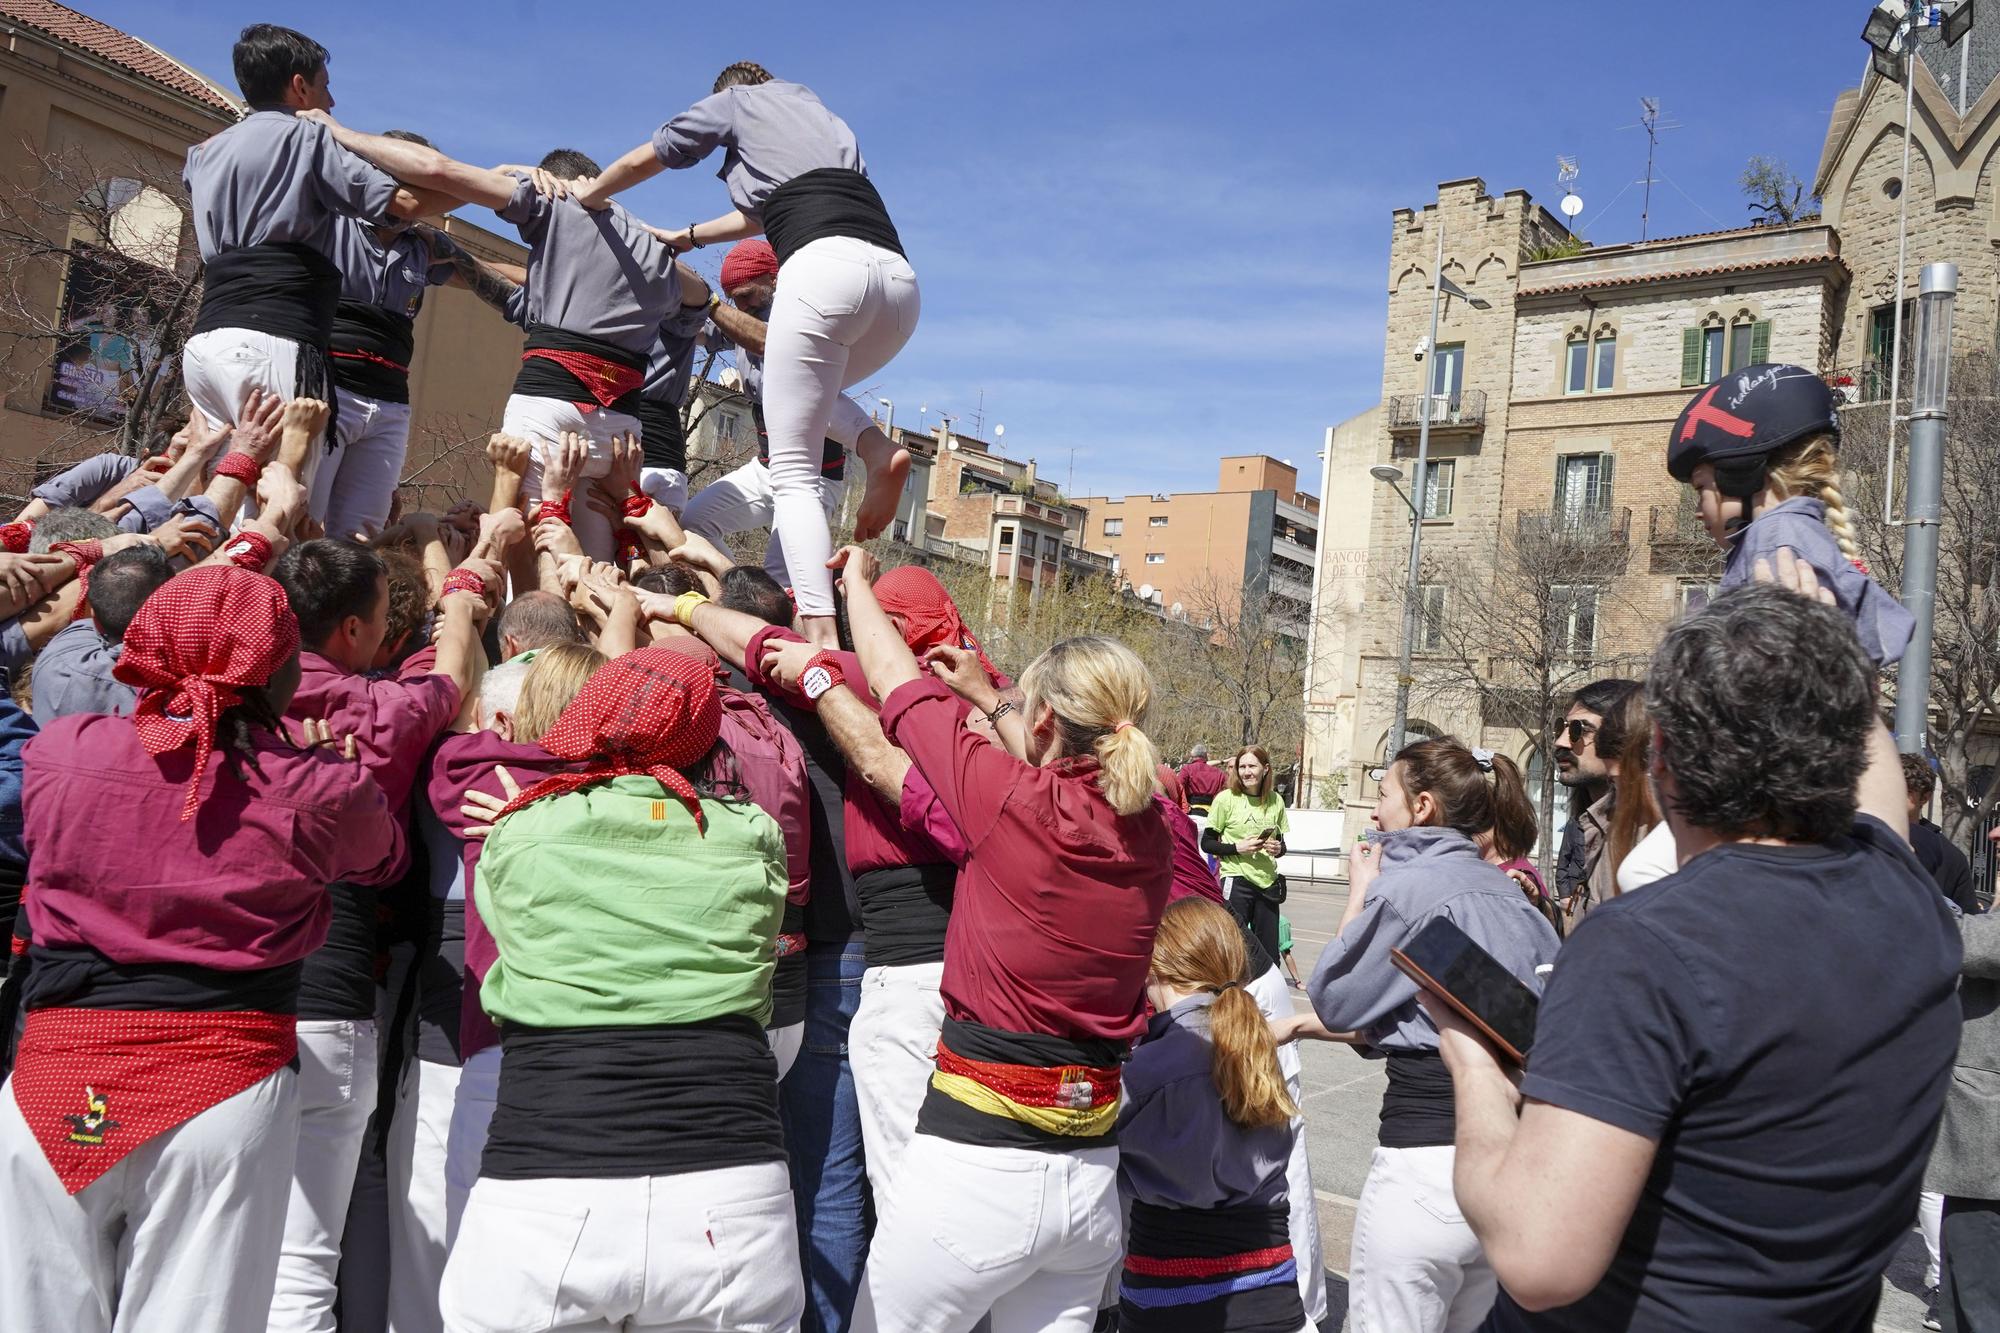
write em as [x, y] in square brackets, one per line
[1930, 1221]
[222, 366]
[353, 487]
[785, 1045]
[543, 422]
[842, 311]
[419, 1221]
[1415, 1267]
[181, 1234]
[709, 1250]
[465, 1145]
[892, 1049]
[337, 1091]
[1025, 1237]
[1274, 998]
[743, 500]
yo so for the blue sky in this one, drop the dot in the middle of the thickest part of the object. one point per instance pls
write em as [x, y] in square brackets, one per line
[1151, 233]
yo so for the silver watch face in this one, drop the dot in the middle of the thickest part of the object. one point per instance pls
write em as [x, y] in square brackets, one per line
[816, 681]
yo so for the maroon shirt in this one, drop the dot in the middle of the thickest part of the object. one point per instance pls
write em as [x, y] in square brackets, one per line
[241, 886]
[1053, 917]
[1202, 780]
[1192, 877]
[393, 720]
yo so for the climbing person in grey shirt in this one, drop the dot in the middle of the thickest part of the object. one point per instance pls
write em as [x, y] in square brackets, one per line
[1416, 1267]
[73, 674]
[267, 194]
[846, 298]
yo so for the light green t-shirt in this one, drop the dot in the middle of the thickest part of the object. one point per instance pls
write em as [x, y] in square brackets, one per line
[1238, 818]
[610, 909]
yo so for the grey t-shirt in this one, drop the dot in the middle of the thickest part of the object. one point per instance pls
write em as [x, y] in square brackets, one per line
[599, 274]
[273, 178]
[393, 277]
[79, 486]
[772, 131]
[672, 362]
[73, 675]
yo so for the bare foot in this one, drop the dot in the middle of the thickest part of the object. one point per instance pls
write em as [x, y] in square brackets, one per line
[888, 467]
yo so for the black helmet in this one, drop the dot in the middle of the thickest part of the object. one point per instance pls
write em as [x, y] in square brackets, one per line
[1738, 422]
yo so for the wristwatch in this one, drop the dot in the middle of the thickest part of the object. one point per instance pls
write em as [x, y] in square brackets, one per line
[822, 673]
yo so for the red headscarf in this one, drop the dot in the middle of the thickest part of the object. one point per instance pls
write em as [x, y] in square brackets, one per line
[929, 615]
[195, 645]
[747, 261]
[652, 711]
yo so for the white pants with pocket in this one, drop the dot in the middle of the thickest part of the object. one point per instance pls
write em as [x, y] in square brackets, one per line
[842, 311]
[354, 486]
[1930, 1221]
[708, 1250]
[419, 1142]
[1415, 1267]
[543, 422]
[741, 501]
[471, 1116]
[1025, 1237]
[338, 1085]
[892, 1049]
[181, 1234]
[222, 366]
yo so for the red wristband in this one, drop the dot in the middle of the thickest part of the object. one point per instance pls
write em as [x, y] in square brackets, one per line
[240, 467]
[555, 509]
[248, 550]
[637, 503]
[86, 553]
[16, 536]
[464, 580]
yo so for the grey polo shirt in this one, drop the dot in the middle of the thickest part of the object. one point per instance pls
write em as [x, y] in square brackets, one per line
[671, 365]
[272, 178]
[771, 131]
[73, 675]
[392, 277]
[78, 487]
[600, 274]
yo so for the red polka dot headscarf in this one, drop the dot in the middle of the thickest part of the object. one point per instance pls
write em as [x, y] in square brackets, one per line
[653, 711]
[201, 639]
[929, 615]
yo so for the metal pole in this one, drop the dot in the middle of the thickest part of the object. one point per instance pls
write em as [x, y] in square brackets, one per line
[1410, 589]
[1902, 249]
[1937, 288]
[1312, 624]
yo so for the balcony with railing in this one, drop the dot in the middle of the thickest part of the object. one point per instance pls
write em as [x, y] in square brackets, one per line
[1463, 412]
[1585, 528]
[1677, 543]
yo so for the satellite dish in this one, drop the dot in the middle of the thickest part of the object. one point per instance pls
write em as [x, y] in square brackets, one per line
[1571, 204]
[1145, 592]
[1179, 612]
[999, 432]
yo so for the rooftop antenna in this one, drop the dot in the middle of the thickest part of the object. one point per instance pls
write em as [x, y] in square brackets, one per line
[1572, 202]
[1650, 122]
[979, 418]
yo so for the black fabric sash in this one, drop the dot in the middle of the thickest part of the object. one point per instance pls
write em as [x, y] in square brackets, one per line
[615, 1103]
[540, 377]
[661, 437]
[832, 201]
[339, 977]
[288, 291]
[371, 350]
[788, 978]
[82, 978]
[1204, 1233]
[1419, 1107]
[905, 911]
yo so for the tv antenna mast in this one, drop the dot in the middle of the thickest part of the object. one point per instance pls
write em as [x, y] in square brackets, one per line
[1650, 122]
[1572, 202]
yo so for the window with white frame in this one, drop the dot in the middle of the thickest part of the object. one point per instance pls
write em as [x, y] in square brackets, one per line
[1156, 557]
[1157, 521]
[1573, 620]
[1114, 527]
[1440, 475]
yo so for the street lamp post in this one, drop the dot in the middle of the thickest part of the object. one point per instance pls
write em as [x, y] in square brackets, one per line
[1439, 286]
[1937, 289]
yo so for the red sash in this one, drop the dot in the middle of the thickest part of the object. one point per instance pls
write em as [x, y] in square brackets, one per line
[94, 1084]
[607, 381]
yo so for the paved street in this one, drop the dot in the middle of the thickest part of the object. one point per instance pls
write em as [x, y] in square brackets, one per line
[1343, 1095]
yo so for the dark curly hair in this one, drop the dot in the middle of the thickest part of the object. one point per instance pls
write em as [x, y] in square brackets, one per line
[1764, 701]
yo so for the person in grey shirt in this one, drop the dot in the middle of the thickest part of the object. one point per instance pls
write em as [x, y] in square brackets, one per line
[267, 194]
[73, 673]
[846, 305]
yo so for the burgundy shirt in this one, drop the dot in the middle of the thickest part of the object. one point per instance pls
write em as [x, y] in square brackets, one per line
[1202, 780]
[1053, 917]
[240, 886]
[393, 720]
[1192, 877]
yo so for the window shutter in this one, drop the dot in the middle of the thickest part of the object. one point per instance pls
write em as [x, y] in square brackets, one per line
[1562, 477]
[1760, 342]
[1603, 496]
[1690, 356]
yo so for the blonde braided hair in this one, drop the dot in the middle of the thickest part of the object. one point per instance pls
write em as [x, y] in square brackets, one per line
[1810, 468]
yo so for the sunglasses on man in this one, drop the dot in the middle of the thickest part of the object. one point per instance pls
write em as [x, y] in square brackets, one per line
[1576, 729]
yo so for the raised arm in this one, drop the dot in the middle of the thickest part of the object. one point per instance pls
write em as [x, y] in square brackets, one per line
[641, 164]
[885, 658]
[423, 169]
[746, 331]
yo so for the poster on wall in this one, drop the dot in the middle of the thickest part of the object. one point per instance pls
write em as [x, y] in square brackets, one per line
[112, 307]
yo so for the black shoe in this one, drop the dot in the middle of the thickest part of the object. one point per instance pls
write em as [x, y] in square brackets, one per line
[1930, 1309]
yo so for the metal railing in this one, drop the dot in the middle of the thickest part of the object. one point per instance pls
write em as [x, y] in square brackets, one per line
[1592, 525]
[1679, 543]
[1463, 410]
[1867, 382]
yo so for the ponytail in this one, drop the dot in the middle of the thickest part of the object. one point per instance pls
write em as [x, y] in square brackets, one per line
[1199, 947]
[1514, 824]
[1099, 691]
[1477, 791]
